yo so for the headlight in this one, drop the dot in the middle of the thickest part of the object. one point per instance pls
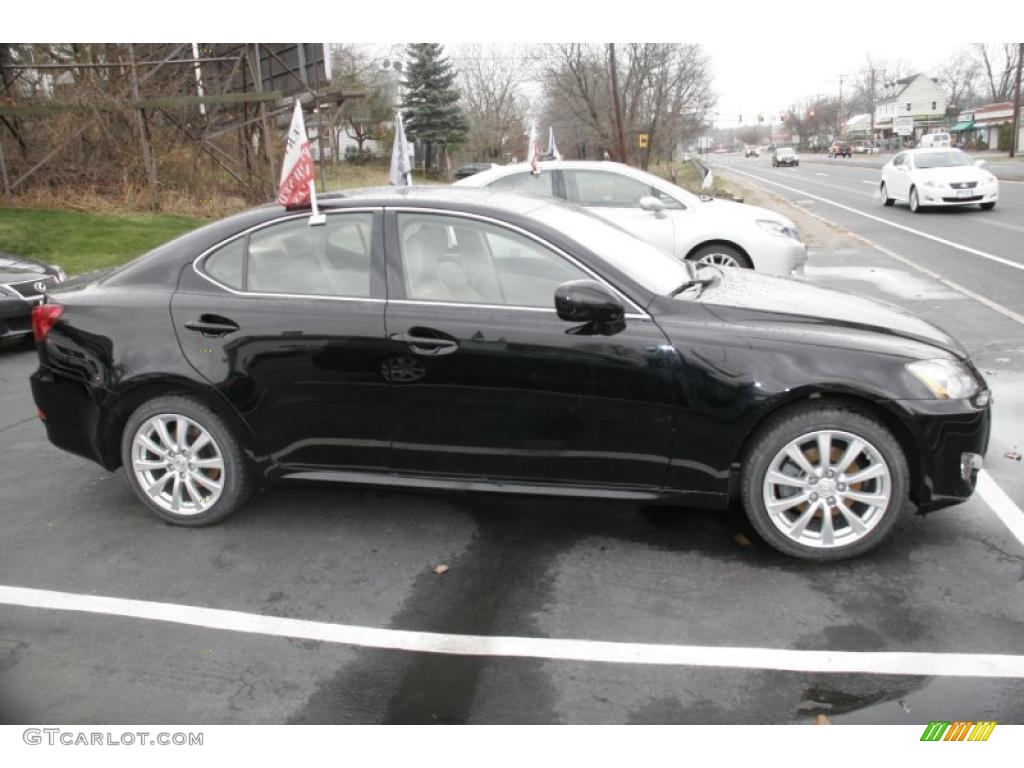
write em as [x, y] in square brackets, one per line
[946, 379]
[933, 184]
[778, 228]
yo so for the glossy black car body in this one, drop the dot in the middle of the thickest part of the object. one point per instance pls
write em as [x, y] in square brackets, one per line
[23, 283]
[660, 404]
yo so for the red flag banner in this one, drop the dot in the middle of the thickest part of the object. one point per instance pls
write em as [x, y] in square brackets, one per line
[297, 172]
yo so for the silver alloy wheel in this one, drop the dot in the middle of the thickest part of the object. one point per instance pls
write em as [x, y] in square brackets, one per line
[718, 259]
[827, 489]
[178, 464]
[915, 202]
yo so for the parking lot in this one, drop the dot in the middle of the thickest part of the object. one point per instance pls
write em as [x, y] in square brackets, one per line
[659, 600]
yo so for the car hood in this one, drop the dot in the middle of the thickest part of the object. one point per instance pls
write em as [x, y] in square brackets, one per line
[960, 173]
[749, 298]
[727, 209]
[14, 269]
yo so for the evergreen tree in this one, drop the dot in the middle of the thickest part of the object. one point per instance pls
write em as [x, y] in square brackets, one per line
[430, 105]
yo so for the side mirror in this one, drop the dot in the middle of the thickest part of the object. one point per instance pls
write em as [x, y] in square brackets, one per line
[653, 204]
[587, 301]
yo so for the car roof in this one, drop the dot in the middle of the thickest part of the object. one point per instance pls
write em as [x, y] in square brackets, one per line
[553, 165]
[433, 196]
[932, 150]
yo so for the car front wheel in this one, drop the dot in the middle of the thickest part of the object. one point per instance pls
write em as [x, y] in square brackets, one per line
[915, 202]
[183, 461]
[720, 255]
[824, 483]
[886, 200]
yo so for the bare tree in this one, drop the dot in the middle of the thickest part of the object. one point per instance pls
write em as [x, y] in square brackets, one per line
[492, 81]
[365, 119]
[998, 64]
[665, 92]
[960, 79]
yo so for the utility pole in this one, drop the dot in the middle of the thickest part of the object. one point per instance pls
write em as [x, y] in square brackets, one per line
[839, 112]
[140, 123]
[871, 102]
[1015, 141]
[619, 136]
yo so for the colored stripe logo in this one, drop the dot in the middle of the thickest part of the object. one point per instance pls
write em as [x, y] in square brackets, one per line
[959, 730]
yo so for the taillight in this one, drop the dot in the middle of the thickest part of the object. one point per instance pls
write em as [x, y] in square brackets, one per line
[44, 317]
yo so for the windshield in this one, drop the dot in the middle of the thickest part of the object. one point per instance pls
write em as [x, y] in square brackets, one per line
[653, 269]
[954, 158]
[786, 151]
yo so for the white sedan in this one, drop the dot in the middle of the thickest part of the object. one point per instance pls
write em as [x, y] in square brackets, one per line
[937, 177]
[683, 225]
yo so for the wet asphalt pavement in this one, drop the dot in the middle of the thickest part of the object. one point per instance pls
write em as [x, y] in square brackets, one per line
[950, 583]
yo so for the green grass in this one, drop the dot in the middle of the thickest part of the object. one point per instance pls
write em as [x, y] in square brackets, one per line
[81, 242]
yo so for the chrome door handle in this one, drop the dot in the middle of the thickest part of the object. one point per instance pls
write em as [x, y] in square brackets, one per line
[427, 345]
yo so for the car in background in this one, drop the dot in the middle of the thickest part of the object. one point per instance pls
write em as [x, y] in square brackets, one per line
[840, 149]
[938, 177]
[23, 285]
[465, 171]
[449, 339]
[931, 140]
[682, 224]
[785, 156]
[751, 152]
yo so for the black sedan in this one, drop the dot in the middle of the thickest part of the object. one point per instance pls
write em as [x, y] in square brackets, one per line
[23, 283]
[472, 340]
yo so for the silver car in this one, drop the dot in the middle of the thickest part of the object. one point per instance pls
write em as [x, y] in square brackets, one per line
[680, 223]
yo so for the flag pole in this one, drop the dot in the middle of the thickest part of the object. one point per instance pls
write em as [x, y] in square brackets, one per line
[316, 218]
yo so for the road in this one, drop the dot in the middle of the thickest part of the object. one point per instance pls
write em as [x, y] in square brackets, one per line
[981, 250]
[603, 612]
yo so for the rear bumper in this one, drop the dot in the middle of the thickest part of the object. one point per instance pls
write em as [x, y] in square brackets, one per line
[949, 433]
[72, 414]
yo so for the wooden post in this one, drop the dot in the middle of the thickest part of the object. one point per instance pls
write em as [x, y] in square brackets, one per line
[257, 76]
[1015, 139]
[140, 123]
[3, 171]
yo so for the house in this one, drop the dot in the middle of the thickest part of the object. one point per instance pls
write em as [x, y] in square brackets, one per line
[858, 127]
[912, 107]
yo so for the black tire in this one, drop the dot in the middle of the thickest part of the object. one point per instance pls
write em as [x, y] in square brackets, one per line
[886, 200]
[987, 206]
[238, 475]
[726, 250]
[915, 201]
[778, 432]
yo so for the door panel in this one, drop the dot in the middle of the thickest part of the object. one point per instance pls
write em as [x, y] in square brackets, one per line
[617, 198]
[510, 391]
[298, 344]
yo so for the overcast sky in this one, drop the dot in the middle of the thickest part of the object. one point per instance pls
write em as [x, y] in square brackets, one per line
[769, 74]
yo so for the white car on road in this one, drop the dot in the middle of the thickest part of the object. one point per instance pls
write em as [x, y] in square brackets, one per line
[684, 225]
[937, 177]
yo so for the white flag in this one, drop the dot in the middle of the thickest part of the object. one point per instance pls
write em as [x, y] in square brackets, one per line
[709, 180]
[552, 152]
[533, 148]
[400, 174]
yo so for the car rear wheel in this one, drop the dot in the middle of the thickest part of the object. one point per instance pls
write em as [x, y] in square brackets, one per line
[915, 202]
[721, 256]
[886, 200]
[824, 483]
[183, 461]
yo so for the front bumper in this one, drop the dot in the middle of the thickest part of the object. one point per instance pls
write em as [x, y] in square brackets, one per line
[15, 317]
[949, 433]
[778, 255]
[940, 196]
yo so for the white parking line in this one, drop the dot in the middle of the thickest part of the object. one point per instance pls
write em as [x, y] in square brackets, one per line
[816, 173]
[879, 219]
[865, 662]
[1004, 507]
[865, 181]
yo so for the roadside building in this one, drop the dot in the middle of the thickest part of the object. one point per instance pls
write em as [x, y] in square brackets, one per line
[912, 107]
[986, 127]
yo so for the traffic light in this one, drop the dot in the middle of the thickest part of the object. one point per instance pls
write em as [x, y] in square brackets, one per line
[811, 113]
